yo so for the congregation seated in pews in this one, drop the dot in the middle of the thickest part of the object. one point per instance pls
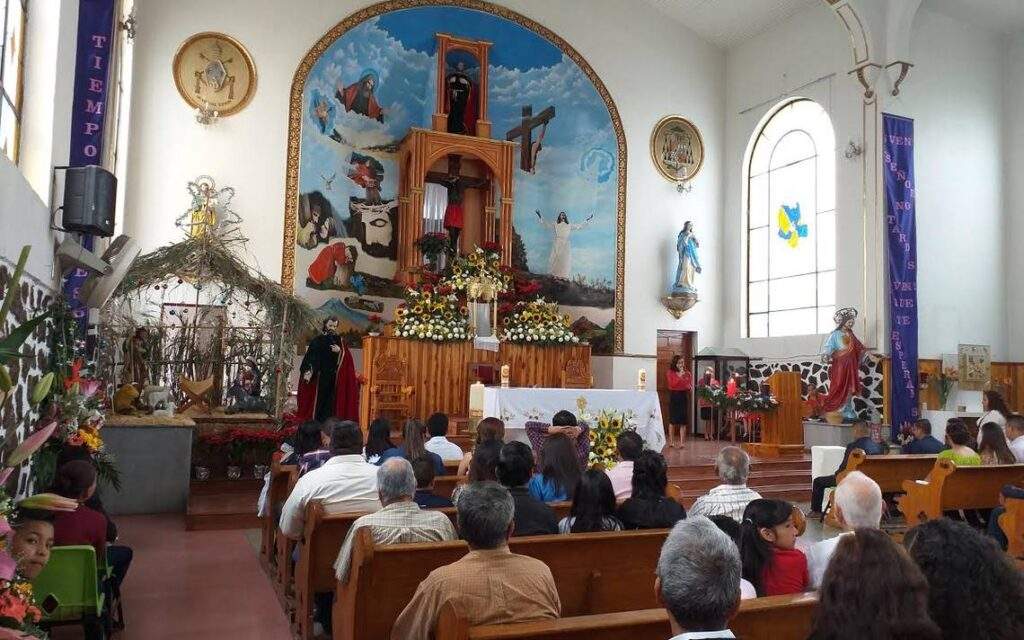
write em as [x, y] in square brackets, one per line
[381, 552]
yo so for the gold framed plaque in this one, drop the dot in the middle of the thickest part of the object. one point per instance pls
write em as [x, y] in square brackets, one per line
[213, 71]
[677, 148]
[975, 362]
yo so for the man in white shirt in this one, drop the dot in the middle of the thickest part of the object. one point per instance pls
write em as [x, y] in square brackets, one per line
[630, 445]
[346, 482]
[732, 497]
[437, 426]
[858, 505]
[1015, 435]
[698, 580]
[401, 520]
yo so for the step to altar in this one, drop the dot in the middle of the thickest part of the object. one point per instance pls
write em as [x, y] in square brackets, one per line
[223, 504]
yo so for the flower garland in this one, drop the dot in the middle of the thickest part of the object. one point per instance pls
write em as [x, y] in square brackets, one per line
[537, 322]
[430, 313]
[605, 428]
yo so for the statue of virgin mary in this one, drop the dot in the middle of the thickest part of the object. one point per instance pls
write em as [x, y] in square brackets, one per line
[689, 264]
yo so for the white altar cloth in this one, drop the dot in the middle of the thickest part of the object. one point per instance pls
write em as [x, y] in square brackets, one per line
[518, 405]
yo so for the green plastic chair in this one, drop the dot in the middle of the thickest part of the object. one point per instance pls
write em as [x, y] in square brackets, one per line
[68, 591]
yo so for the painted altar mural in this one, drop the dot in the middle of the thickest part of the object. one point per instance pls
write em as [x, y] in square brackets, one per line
[363, 92]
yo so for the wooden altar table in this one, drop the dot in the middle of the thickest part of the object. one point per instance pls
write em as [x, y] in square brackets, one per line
[415, 378]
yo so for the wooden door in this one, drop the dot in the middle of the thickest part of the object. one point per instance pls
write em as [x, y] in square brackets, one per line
[671, 343]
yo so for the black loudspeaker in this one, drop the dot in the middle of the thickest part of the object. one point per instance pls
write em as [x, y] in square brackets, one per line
[89, 196]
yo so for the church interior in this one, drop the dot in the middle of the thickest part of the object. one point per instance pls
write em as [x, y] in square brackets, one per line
[289, 288]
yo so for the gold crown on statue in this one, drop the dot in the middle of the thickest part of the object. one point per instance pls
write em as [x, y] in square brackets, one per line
[845, 314]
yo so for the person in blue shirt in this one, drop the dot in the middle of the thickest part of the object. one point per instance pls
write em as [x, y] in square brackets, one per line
[423, 469]
[862, 440]
[413, 448]
[924, 441]
[559, 470]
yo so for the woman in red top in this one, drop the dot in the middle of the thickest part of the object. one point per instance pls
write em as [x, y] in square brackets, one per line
[680, 383]
[85, 525]
[767, 547]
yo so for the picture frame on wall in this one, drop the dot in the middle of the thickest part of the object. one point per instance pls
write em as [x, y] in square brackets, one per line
[214, 72]
[677, 149]
[975, 362]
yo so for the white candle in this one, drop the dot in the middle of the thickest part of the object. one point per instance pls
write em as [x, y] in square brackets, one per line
[641, 379]
[476, 397]
[505, 375]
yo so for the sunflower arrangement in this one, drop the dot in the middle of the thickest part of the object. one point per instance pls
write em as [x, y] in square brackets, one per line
[432, 313]
[537, 322]
[483, 263]
[605, 428]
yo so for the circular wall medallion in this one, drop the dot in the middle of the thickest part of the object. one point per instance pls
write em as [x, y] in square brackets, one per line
[677, 149]
[213, 70]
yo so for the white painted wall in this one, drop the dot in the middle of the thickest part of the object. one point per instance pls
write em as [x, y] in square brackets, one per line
[1013, 196]
[652, 68]
[954, 93]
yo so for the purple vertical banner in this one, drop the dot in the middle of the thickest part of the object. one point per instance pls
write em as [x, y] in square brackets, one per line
[900, 192]
[92, 61]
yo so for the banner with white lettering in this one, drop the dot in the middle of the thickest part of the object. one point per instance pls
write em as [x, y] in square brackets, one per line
[92, 62]
[900, 196]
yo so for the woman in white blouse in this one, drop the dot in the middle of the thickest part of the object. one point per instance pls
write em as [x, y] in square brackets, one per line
[995, 411]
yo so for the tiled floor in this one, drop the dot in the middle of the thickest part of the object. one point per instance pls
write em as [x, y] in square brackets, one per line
[197, 585]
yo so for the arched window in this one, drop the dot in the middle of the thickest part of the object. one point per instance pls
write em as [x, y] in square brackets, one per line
[791, 223]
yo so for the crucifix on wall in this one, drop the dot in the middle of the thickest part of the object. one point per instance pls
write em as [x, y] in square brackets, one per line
[528, 147]
[456, 183]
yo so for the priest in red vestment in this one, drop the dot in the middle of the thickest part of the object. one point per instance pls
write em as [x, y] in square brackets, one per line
[328, 385]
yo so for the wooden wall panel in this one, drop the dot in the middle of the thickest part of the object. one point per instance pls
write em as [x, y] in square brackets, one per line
[1008, 377]
[439, 372]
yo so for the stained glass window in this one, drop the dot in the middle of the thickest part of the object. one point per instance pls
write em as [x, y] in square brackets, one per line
[791, 243]
[12, 20]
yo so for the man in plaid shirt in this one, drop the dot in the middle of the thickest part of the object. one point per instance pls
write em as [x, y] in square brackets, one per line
[731, 497]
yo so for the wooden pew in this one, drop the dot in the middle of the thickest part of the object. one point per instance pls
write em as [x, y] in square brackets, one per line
[1012, 524]
[382, 579]
[772, 618]
[888, 471]
[949, 488]
[322, 536]
[445, 485]
[276, 495]
[283, 547]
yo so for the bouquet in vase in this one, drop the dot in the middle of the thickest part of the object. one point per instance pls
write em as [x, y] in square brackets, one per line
[605, 428]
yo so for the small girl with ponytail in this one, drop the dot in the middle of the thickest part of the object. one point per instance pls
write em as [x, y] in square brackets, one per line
[767, 548]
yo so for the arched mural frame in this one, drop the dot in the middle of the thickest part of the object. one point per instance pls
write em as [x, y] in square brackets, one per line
[295, 112]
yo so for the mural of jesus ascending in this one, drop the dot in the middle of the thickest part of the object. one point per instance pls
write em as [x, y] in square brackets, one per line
[560, 263]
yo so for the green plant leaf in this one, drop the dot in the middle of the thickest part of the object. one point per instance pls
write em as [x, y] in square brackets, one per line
[11, 292]
[10, 346]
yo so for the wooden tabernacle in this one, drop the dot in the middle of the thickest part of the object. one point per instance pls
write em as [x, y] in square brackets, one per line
[415, 378]
[782, 430]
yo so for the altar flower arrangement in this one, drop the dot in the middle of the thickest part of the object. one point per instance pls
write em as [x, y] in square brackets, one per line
[716, 395]
[537, 322]
[948, 379]
[604, 432]
[432, 313]
[483, 263]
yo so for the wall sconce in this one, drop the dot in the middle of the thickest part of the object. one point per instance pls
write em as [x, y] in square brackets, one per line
[206, 116]
[853, 150]
[904, 69]
[684, 186]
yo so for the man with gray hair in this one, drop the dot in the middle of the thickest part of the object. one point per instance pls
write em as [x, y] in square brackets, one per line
[698, 579]
[490, 584]
[858, 505]
[401, 520]
[733, 496]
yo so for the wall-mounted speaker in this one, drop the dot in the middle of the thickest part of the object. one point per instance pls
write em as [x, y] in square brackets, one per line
[90, 194]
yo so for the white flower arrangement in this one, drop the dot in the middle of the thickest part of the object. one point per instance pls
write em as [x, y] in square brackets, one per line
[538, 322]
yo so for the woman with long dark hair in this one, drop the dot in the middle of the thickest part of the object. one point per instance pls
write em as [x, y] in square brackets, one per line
[593, 505]
[959, 440]
[872, 589]
[680, 384]
[995, 409]
[771, 561]
[648, 507]
[413, 449]
[378, 440]
[993, 448]
[483, 466]
[559, 470]
[487, 430]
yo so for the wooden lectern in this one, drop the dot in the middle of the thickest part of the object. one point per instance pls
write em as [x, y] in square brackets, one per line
[782, 429]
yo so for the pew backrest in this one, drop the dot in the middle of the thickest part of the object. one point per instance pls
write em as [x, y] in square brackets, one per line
[1012, 524]
[593, 572]
[889, 471]
[949, 487]
[772, 618]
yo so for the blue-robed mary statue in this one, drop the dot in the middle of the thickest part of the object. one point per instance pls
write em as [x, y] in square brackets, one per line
[689, 264]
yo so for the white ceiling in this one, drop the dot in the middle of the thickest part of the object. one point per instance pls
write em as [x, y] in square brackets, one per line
[729, 22]
[1005, 16]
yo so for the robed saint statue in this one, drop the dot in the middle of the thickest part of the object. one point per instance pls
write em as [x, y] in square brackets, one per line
[328, 386]
[843, 352]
